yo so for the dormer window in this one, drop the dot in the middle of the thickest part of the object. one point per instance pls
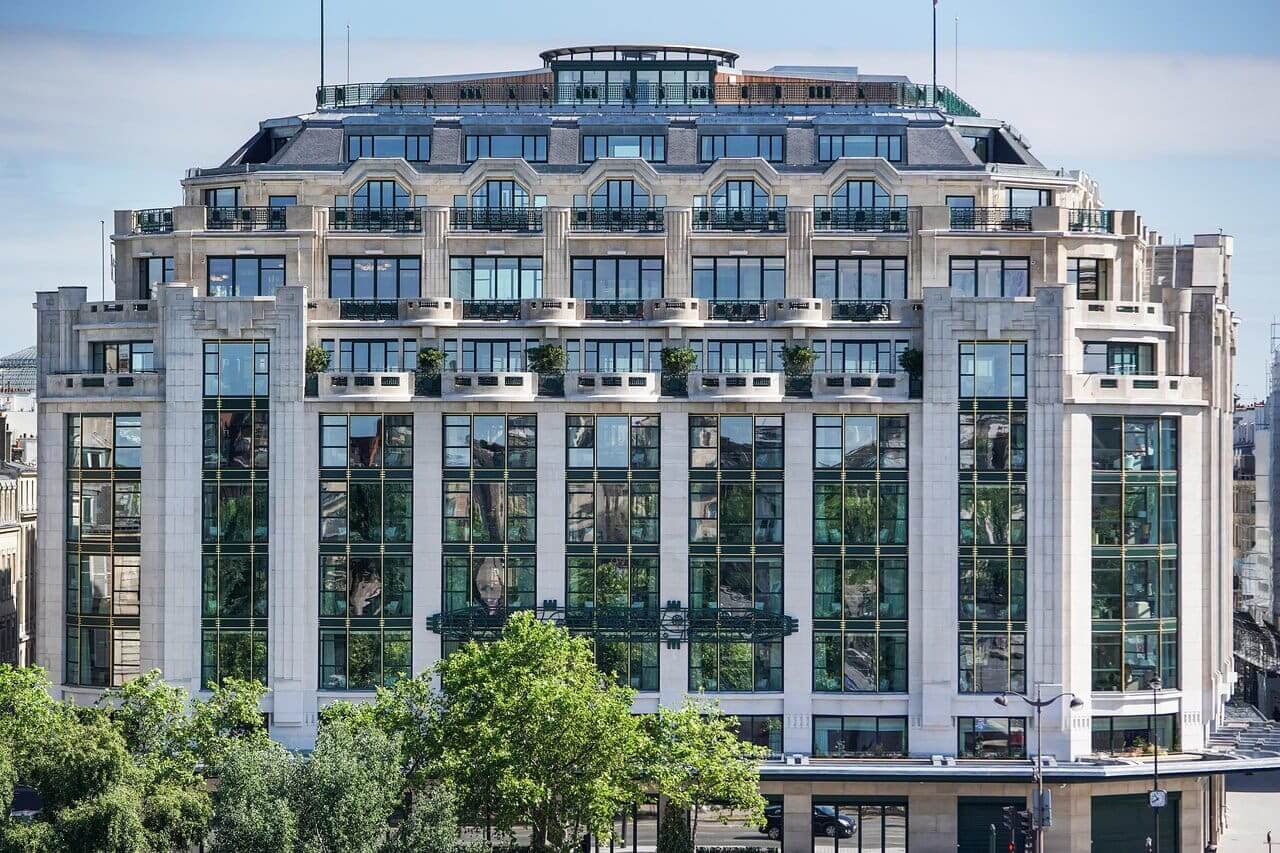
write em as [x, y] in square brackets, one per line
[377, 194]
[834, 146]
[506, 194]
[530, 148]
[766, 146]
[860, 194]
[415, 148]
[650, 148]
[740, 194]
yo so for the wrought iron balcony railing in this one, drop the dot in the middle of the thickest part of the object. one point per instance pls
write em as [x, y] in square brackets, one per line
[368, 309]
[615, 309]
[766, 219]
[520, 219]
[643, 219]
[1091, 221]
[155, 220]
[859, 310]
[396, 219]
[491, 309]
[736, 310]
[245, 218]
[890, 219]
[990, 219]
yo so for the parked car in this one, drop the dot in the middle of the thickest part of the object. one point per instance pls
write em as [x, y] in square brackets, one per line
[825, 823]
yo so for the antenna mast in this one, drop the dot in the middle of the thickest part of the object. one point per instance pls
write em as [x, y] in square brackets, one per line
[321, 44]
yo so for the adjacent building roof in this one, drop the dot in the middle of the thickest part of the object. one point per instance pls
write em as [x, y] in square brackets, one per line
[18, 372]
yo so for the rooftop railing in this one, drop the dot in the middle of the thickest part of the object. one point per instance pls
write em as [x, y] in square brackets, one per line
[245, 218]
[767, 219]
[891, 219]
[990, 219]
[1091, 221]
[520, 219]
[497, 93]
[155, 220]
[648, 219]
[397, 219]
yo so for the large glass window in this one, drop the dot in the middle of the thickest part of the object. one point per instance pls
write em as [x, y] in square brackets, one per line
[749, 279]
[612, 441]
[993, 369]
[412, 147]
[366, 441]
[860, 279]
[611, 279]
[103, 581]
[715, 147]
[378, 194]
[614, 355]
[990, 277]
[859, 737]
[992, 737]
[834, 146]
[1135, 552]
[647, 147]
[1132, 359]
[245, 275]
[740, 194]
[374, 278]
[493, 583]
[870, 825]
[153, 271]
[123, 357]
[1135, 735]
[1089, 277]
[490, 441]
[860, 194]
[371, 354]
[481, 278]
[738, 442]
[530, 147]
[236, 368]
[500, 194]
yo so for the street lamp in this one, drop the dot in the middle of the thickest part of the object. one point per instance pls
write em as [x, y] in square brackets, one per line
[1039, 704]
[1157, 798]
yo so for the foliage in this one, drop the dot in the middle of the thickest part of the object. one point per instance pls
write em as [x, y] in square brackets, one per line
[548, 360]
[533, 733]
[252, 812]
[673, 832]
[431, 360]
[429, 823]
[798, 360]
[316, 360]
[697, 758]
[678, 361]
[343, 795]
[912, 361]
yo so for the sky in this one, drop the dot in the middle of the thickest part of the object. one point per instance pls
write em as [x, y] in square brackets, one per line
[107, 104]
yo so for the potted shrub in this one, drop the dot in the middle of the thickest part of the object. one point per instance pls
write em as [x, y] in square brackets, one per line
[316, 360]
[676, 364]
[430, 363]
[548, 361]
[797, 361]
[912, 361]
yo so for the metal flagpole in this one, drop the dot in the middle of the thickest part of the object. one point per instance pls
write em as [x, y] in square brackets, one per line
[321, 44]
[935, 52]
[102, 249]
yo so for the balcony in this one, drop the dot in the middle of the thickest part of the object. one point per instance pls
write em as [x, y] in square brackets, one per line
[486, 385]
[156, 220]
[100, 386]
[736, 310]
[762, 219]
[1126, 315]
[795, 312]
[611, 386]
[648, 220]
[244, 218]
[1107, 388]
[736, 386]
[491, 309]
[859, 311]
[990, 219]
[892, 220]
[672, 312]
[439, 310]
[522, 220]
[1082, 221]
[861, 386]
[133, 313]
[550, 312]
[615, 309]
[368, 309]
[375, 219]
[397, 386]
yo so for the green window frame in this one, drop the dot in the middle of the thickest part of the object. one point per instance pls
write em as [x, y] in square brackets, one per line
[859, 736]
[612, 512]
[735, 667]
[852, 659]
[613, 441]
[494, 582]
[491, 442]
[992, 738]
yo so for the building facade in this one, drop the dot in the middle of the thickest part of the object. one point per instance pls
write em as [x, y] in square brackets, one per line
[865, 418]
[17, 553]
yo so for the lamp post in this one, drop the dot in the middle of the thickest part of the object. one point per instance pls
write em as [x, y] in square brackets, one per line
[1039, 704]
[1155, 685]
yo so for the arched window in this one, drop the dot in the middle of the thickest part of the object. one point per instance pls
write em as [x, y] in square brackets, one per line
[506, 194]
[860, 194]
[739, 194]
[380, 194]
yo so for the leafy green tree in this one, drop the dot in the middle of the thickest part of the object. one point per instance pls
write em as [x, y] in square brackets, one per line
[252, 810]
[429, 824]
[344, 794]
[696, 758]
[533, 733]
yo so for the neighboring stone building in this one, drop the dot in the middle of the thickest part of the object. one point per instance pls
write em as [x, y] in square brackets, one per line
[17, 554]
[857, 561]
[1251, 508]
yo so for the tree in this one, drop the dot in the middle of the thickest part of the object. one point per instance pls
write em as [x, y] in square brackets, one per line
[673, 832]
[430, 360]
[531, 732]
[678, 361]
[316, 360]
[697, 758]
[344, 794]
[798, 360]
[252, 811]
[548, 360]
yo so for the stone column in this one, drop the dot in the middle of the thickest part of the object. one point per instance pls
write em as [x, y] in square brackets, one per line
[673, 579]
[797, 653]
[428, 508]
[677, 274]
[799, 252]
[551, 506]
[555, 258]
[435, 257]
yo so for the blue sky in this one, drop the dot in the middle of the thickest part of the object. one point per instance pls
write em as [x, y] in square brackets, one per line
[1166, 104]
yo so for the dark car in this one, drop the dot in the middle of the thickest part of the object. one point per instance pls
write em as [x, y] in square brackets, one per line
[825, 822]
